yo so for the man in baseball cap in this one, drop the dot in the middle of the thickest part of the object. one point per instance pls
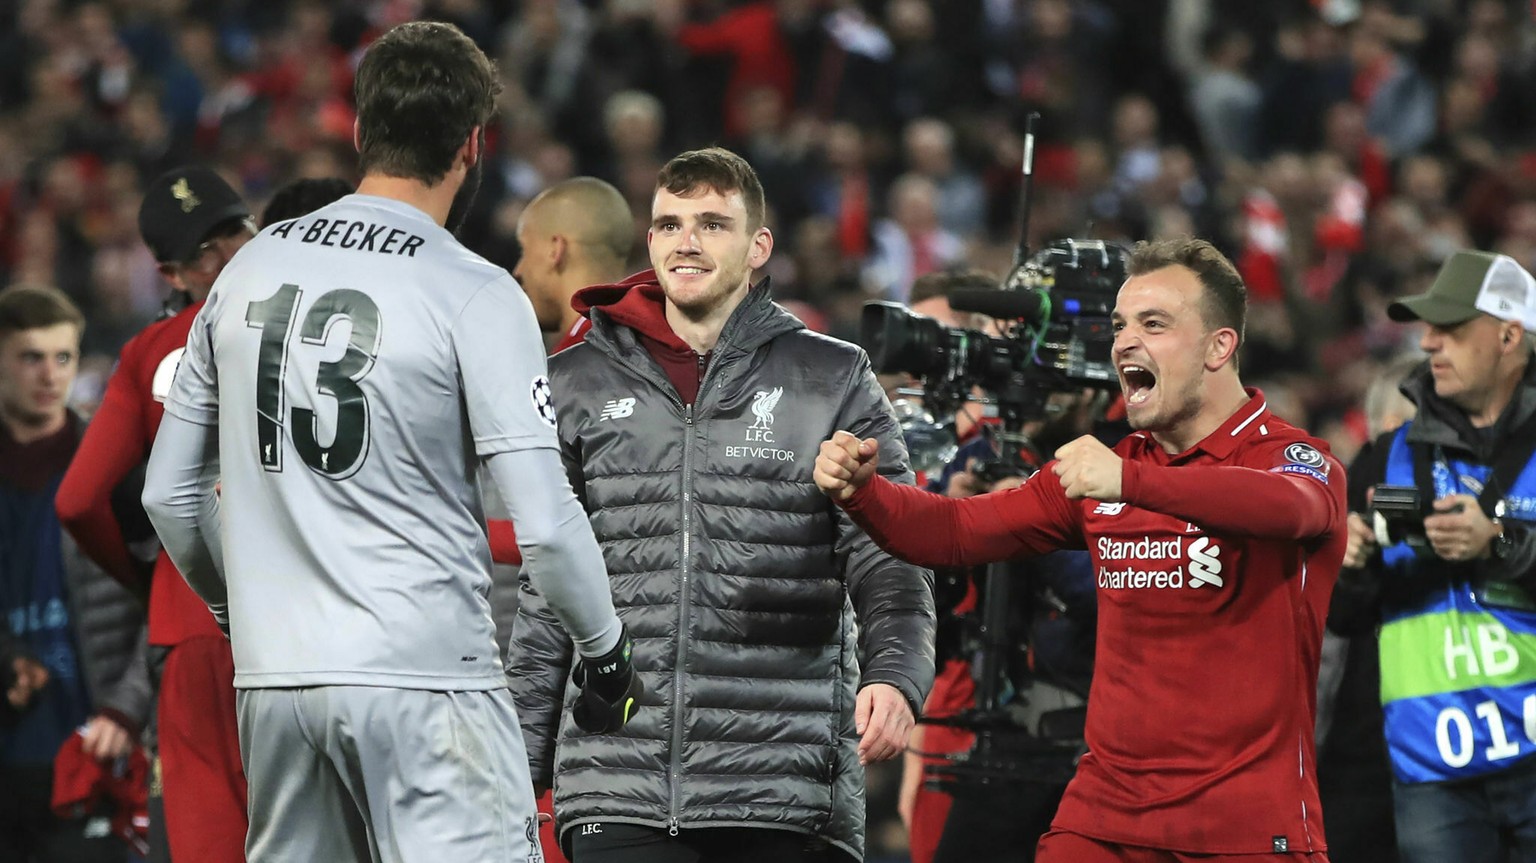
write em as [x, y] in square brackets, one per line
[1468, 454]
[1471, 283]
[194, 223]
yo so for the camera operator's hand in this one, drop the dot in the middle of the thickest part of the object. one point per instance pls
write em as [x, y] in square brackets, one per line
[965, 483]
[1458, 530]
[1362, 542]
[844, 464]
[609, 689]
[1088, 469]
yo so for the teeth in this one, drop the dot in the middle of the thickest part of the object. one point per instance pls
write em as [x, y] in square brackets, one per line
[689, 270]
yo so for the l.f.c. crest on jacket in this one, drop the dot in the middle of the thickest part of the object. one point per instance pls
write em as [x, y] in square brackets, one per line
[753, 602]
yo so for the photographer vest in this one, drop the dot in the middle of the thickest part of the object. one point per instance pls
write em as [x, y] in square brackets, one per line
[1458, 651]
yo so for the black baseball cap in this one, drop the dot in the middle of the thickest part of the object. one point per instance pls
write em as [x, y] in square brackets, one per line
[181, 207]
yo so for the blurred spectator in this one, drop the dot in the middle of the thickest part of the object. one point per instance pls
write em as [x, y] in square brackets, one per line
[910, 242]
[72, 639]
[929, 146]
[1225, 98]
[1399, 104]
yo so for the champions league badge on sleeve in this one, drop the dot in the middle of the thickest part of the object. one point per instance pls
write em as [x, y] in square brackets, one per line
[1304, 459]
[543, 400]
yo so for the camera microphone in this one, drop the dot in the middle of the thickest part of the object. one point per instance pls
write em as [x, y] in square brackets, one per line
[1006, 305]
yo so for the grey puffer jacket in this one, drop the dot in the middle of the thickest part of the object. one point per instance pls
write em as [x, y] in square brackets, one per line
[739, 582]
[111, 632]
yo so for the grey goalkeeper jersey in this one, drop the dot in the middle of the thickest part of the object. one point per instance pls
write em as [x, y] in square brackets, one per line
[358, 363]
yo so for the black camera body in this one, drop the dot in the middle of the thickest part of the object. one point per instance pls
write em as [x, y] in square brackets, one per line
[1398, 515]
[1056, 334]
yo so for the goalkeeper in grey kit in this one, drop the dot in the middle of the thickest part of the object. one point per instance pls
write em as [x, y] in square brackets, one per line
[349, 370]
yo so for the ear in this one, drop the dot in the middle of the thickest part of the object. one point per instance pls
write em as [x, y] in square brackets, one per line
[471, 151]
[762, 248]
[1221, 348]
[357, 135]
[1512, 335]
[559, 250]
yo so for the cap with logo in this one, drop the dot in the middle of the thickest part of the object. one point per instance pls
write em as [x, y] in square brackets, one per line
[181, 207]
[1471, 283]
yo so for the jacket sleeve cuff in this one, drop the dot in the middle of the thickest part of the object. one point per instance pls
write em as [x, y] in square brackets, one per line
[909, 690]
[122, 719]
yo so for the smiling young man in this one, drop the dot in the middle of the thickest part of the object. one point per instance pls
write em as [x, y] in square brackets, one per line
[1215, 531]
[690, 417]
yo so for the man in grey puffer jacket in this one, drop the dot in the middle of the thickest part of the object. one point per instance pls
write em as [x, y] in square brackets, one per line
[689, 422]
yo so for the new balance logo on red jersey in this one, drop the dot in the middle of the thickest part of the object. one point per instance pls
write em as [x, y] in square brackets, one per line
[617, 409]
[1109, 508]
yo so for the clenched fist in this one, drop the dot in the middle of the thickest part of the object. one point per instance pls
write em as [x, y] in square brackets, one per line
[845, 463]
[1088, 469]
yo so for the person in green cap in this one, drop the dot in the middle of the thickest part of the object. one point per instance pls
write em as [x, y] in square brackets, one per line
[1450, 578]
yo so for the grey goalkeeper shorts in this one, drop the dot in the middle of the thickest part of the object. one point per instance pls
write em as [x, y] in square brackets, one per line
[360, 773]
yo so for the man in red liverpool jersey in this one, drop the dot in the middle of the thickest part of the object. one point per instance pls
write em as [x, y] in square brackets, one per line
[194, 223]
[1216, 531]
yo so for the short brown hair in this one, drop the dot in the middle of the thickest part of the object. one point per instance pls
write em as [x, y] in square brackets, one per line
[35, 307]
[421, 89]
[719, 170]
[1224, 302]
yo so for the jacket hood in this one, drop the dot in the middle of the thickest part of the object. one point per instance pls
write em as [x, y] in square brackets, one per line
[594, 296]
[1441, 423]
[638, 302]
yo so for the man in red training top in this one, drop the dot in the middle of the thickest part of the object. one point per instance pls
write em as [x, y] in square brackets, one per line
[194, 223]
[1216, 531]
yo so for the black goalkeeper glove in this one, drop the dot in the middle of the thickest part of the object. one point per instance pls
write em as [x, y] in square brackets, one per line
[608, 689]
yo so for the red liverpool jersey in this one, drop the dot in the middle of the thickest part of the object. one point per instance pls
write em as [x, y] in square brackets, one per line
[118, 439]
[1214, 575]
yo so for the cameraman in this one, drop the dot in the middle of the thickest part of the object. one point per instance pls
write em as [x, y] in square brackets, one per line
[1216, 531]
[1452, 588]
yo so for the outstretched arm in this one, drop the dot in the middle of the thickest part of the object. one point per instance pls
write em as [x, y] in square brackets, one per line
[932, 530]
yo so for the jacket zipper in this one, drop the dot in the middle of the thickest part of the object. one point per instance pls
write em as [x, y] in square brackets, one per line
[682, 623]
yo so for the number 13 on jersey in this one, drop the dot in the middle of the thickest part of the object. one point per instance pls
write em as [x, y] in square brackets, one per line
[274, 316]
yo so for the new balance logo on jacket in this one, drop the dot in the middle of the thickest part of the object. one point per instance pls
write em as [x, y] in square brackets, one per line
[617, 409]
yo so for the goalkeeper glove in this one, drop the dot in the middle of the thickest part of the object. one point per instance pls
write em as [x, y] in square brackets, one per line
[608, 690]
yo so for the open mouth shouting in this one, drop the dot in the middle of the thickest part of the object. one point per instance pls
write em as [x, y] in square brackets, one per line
[1137, 382]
